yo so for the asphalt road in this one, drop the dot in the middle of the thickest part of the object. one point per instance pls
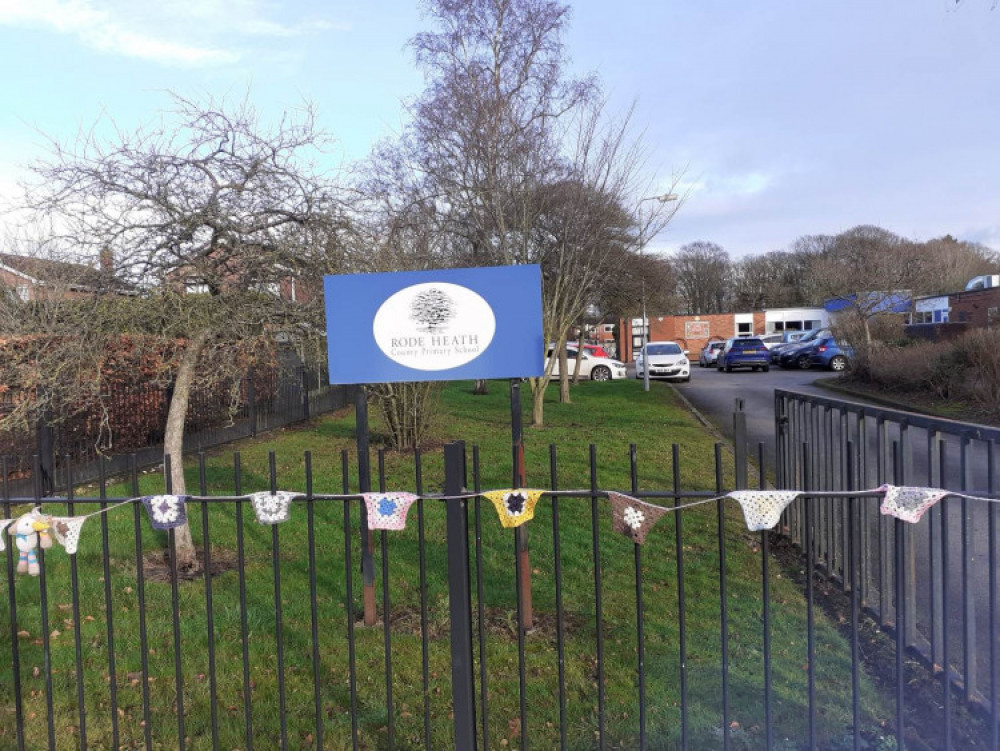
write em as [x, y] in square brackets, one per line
[714, 394]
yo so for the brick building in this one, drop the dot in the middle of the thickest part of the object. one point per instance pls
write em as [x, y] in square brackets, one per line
[694, 332]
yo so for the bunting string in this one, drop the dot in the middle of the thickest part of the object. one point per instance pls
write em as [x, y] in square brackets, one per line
[630, 516]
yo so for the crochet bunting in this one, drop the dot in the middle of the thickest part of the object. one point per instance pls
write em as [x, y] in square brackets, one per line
[515, 506]
[909, 504]
[166, 511]
[272, 508]
[762, 508]
[66, 530]
[388, 510]
[4, 523]
[632, 517]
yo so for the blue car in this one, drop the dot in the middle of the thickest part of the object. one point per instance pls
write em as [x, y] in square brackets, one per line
[831, 354]
[744, 352]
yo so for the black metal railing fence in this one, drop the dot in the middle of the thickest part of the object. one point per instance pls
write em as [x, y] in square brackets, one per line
[931, 585]
[670, 644]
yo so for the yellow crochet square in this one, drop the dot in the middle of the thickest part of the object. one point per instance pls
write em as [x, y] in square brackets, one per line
[514, 506]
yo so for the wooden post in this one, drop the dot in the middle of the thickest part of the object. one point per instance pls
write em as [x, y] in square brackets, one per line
[521, 532]
[365, 485]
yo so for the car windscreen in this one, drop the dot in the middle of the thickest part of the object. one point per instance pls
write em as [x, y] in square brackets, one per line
[663, 349]
[748, 344]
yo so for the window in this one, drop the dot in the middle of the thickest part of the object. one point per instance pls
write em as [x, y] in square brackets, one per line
[744, 329]
[923, 317]
[608, 328]
[196, 287]
[993, 316]
[24, 292]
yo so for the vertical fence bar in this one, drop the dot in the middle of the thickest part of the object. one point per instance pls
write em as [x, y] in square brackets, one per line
[425, 670]
[970, 667]
[598, 600]
[108, 606]
[765, 595]
[279, 621]
[681, 612]
[909, 561]
[313, 594]
[810, 565]
[853, 551]
[720, 512]
[639, 636]
[43, 607]
[140, 591]
[557, 570]
[244, 625]
[386, 619]
[209, 611]
[944, 504]
[520, 582]
[935, 547]
[77, 636]
[12, 604]
[994, 651]
[900, 632]
[459, 606]
[352, 669]
[481, 605]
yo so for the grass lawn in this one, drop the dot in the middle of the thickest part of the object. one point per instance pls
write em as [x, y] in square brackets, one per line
[282, 650]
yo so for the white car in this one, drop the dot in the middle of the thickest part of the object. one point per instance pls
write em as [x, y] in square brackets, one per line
[592, 367]
[666, 360]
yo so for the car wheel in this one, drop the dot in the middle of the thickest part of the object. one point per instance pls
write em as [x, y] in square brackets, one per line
[803, 362]
[729, 368]
[767, 368]
[838, 363]
[600, 373]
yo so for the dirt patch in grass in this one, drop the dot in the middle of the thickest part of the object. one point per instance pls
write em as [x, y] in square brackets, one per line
[923, 696]
[498, 622]
[156, 566]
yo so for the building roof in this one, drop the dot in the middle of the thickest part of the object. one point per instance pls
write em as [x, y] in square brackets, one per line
[48, 273]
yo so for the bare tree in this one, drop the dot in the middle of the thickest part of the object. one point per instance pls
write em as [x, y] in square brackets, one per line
[867, 269]
[207, 201]
[703, 271]
[505, 153]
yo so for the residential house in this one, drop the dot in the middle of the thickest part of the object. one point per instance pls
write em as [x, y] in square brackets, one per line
[33, 279]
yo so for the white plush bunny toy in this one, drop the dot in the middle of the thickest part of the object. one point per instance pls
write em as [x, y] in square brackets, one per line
[26, 535]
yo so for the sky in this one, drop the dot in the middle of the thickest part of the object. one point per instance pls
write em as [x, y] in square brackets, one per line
[781, 118]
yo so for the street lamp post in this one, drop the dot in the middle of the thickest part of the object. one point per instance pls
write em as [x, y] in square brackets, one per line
[666, 197]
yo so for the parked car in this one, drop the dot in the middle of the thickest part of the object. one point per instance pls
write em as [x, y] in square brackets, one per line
[744, 352]
[831, 354]
[666, 360]
[789, 339]
[591, 349]
[594, 368]
[710, 353]
[772, 340]
[792, 355]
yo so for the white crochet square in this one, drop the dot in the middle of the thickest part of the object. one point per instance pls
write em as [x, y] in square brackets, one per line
[762, 508]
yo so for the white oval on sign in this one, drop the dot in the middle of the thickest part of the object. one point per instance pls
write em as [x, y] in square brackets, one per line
[434, 326]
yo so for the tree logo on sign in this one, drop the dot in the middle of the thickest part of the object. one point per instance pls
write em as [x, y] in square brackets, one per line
[432, 309]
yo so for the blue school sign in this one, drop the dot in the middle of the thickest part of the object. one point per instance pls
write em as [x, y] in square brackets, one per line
[445, 325]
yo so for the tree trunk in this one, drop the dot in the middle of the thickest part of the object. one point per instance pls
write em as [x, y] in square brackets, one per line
[578, 364]
[173, 445]
[482, 387]
[537, 403]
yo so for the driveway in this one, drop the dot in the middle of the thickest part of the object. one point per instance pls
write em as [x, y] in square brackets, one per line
[714, 395]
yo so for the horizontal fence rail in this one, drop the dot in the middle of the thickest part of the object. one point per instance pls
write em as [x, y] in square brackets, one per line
[931, 585]
[700, 638]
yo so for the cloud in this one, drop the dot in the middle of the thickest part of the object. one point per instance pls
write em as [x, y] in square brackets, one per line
[180, 33]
